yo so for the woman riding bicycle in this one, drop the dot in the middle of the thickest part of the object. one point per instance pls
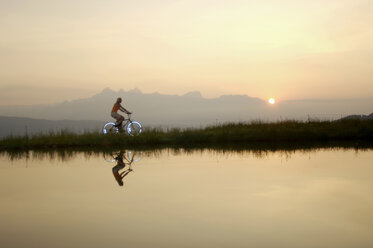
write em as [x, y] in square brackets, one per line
[114, 112]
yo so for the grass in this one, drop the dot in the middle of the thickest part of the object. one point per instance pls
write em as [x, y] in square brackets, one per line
[284, 133]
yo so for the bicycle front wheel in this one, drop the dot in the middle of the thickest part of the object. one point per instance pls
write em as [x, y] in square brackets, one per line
[109, 128]
[134, 128]
[134, 156]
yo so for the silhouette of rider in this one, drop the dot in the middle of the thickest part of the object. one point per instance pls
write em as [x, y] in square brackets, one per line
[114, 112]
[118, 175]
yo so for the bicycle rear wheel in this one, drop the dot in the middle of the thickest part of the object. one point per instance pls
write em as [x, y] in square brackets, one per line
[110, 156]
[134, 128]
[109, 128]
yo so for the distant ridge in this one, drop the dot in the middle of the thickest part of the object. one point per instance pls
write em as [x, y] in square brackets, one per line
[188, 110]
[358, 117]
[154, 109]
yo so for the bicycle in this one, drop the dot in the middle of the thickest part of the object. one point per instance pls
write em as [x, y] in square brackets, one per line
[131, 127]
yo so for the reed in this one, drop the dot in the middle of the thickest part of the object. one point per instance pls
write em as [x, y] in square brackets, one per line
[229, 134]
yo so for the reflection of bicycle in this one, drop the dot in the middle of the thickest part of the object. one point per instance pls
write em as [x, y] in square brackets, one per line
[129, 156]
[123, 160]
[131, 127]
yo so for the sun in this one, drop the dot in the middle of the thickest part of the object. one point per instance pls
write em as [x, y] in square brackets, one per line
[272, 101]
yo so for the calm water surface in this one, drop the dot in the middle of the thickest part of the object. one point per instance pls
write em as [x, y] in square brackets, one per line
[317, 198]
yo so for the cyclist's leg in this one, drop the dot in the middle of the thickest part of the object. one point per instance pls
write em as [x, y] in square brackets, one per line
[119, 122]
[119, 119]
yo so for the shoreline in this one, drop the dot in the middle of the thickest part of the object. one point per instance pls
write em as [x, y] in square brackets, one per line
[345, 133]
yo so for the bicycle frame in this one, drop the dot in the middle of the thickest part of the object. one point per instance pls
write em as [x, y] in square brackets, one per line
[125, 122]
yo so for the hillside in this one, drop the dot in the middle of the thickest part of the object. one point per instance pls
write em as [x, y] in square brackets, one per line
[358, 117]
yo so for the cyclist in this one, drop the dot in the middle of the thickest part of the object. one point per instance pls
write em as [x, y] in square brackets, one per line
[118, 175]
[114, 112]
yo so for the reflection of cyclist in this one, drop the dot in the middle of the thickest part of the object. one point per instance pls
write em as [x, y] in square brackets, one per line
[120, 166]
[114, 112]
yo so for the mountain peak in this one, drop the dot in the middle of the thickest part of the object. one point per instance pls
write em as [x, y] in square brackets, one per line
[107, 90]
[193, 94]
[104, 93]
[135, 91]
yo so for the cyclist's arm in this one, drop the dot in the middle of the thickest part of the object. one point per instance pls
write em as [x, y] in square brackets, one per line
[125, 110]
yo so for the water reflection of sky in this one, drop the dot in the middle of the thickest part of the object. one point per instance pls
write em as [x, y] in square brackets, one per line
[193, 198]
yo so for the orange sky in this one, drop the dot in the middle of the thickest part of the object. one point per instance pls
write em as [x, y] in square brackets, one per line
[287, 49]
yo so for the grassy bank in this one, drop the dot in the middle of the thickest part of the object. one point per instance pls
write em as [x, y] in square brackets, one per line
[235, 134]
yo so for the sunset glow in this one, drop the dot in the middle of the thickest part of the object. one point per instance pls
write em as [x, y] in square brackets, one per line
[174, 47]
[271, 101]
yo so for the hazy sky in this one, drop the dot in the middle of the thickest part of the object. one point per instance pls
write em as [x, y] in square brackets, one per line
[289, 49]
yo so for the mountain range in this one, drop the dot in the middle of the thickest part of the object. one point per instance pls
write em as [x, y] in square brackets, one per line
[188, 110]
[151, 109]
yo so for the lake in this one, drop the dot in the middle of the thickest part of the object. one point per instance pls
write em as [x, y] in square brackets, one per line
[187, 198]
